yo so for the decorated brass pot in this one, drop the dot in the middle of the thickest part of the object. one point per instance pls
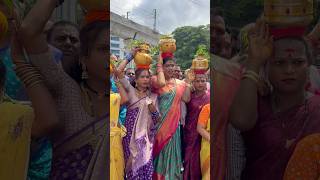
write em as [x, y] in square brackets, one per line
[167, 45]
[3, 25]
[142, 58]
[281, 13]
[200, 64]
[90, 5]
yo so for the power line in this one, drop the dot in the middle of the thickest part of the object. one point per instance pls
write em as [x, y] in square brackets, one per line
[142, 14]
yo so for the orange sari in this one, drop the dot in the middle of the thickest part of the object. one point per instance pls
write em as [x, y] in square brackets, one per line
[204, 120]
[304, 162]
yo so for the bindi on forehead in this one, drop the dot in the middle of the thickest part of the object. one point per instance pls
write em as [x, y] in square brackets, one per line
[290, 52]
[290, 49]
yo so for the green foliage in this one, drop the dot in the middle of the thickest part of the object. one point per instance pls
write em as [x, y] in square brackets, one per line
[240, 12]
[164, 36]
[8, 3]
[188, 40]
[135, 43]
[202, 51]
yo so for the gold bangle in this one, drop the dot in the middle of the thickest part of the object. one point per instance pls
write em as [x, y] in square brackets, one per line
[25, 71]
[34, 84]
[251, 77]
[252, 73]
[30, 77]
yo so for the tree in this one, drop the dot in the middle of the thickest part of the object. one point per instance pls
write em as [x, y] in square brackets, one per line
[240, 12]
[188, 40]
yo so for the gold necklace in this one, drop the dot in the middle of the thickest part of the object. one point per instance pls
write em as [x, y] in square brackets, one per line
[141, 93]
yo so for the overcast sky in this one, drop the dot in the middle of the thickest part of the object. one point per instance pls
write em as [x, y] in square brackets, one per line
[170, 13]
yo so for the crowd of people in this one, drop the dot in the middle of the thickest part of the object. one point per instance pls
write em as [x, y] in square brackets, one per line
[266, 99]
[161, 122]
[54, 115]
[53, 95]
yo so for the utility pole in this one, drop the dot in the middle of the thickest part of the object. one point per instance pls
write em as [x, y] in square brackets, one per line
[155, 20]
[127, 14]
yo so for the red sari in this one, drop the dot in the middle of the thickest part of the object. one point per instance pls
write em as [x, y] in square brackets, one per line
[192, 139]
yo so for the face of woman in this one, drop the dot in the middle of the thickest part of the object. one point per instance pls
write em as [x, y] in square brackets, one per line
[200, 82]
[143, 79]
[96, 62]
[169, 68]
[288, 70]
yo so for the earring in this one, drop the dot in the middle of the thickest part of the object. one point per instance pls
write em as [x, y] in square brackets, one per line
[84, 74]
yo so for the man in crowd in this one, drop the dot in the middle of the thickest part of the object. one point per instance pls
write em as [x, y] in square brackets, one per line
[64, 36]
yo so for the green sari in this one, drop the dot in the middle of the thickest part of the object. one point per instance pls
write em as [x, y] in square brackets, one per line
[167, 146]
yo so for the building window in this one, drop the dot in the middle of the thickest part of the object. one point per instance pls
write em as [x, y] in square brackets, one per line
[115, 45]
[115, 52]
[113, 38]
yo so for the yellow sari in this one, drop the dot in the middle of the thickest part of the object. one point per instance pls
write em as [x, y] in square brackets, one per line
[117, 132]
[204, 119]
[15, 138]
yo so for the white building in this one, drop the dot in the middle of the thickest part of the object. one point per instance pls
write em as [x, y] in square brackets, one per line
[117, 46]
[69, 11]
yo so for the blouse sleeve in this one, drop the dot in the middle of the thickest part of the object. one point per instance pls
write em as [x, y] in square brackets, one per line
[65, 90]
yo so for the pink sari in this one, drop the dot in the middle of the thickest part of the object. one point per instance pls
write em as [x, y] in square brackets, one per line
[226, 81]
[191, 138]
[272, 141]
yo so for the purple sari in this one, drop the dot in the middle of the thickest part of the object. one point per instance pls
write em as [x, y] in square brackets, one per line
[192, 139]
[271, 142]
[138, 143]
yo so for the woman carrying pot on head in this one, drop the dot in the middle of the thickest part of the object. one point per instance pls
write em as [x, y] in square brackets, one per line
[167, 147]
[272, 125]
[192, 140]
[141, 118]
